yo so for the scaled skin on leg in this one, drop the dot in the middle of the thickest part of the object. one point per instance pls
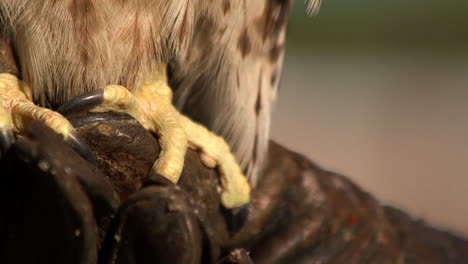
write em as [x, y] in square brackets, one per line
[15, 97]
[151, 105]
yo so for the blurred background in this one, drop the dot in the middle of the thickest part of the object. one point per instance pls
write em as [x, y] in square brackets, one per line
[378, 91]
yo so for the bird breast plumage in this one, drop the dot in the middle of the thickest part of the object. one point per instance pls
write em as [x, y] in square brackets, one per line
[224, 57]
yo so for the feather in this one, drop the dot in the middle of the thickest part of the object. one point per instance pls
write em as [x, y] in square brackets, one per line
[225, 56]
[234, 68]
[313, 7]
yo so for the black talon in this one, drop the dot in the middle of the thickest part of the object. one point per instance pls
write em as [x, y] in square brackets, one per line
[156, 179]
[7, 138]
[236, 217]
[80, 146]
[82, 103]
[78, 105]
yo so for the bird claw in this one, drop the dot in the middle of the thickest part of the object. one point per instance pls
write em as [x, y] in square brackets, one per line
[7, 138]
[151, 105]
[236, 217]
[80, 146]
[17, 113]
[82, 103]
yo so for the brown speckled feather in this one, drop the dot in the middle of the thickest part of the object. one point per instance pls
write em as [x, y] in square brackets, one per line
[313, 7]
[234, 66]
[225, 56]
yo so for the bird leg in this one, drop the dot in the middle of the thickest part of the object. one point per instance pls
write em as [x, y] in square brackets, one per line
[151, 105]
[17, 111]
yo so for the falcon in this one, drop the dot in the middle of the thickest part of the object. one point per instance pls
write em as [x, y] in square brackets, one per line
[198, 73]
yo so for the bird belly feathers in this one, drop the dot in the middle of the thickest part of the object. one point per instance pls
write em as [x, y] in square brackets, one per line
[224, 57]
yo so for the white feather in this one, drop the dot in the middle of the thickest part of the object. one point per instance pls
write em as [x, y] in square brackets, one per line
[313, 7]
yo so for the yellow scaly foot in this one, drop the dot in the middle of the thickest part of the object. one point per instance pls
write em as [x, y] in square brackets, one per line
[151, 105]
[17, 111]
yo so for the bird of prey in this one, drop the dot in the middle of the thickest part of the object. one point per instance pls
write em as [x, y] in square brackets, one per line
[199, 73]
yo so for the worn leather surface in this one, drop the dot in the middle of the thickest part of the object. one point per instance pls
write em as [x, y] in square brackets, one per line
[299, 212]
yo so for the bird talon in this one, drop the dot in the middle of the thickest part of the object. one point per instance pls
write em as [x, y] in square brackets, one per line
[80, 146]
[151, 105]
[82, 103]
[236, 218]
[17, 112]
[7, 138]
